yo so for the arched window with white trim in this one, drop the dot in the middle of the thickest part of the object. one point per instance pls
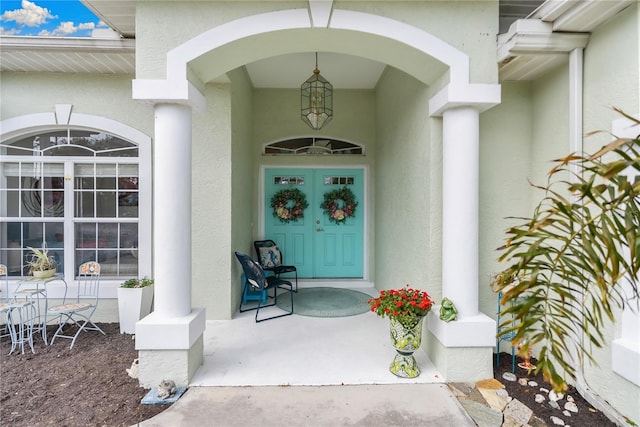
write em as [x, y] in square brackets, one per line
[76, 192]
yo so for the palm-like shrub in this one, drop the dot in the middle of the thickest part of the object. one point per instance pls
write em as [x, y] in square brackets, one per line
[572, 257]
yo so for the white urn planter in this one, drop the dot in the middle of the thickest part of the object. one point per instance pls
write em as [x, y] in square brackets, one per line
[133, 305]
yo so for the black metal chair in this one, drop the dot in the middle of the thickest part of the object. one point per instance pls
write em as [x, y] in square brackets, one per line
[271, 259]
[255, 277]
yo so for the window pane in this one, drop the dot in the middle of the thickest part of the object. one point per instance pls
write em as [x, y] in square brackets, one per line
[86, 235]
[11, 252]
[106, 204]
[13, 203]
[108, 235]
[84, 206]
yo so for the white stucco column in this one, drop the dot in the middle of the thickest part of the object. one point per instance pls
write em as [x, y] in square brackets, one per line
[170, 340]
[460, 174]
[461, 349]
[172, 210]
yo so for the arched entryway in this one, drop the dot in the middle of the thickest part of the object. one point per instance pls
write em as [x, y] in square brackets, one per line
[400, 45]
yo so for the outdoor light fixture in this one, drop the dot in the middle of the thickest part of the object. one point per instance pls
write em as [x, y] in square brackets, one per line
[316, 100]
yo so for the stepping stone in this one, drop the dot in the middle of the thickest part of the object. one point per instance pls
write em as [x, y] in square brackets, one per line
[494, 400]
[481, 414]
[491, 384]
[518, 411]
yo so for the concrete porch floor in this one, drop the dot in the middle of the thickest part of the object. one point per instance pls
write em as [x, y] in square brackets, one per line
[300, 350]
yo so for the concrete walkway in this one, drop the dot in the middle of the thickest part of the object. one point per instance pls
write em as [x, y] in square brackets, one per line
[316, 406]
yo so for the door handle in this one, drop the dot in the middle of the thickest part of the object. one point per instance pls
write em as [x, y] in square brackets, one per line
[319, 229]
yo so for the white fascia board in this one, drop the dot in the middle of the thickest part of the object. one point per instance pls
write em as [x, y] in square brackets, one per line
[537, 37]
[550, 10]
[76, 44]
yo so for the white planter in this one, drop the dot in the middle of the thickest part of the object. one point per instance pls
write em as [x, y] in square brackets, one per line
[133, 305]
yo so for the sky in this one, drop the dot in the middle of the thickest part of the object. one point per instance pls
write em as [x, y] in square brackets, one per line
[61, 18]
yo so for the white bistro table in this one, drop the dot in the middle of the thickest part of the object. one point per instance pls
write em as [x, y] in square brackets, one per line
[34, 288]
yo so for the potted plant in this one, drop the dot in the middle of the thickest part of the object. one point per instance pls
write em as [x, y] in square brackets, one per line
[405, 308]
[135, 297]
[40, 264]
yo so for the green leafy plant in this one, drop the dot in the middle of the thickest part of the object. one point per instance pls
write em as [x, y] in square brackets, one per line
[404, 304]
[572, 257]
[137, 283]
[39, 260]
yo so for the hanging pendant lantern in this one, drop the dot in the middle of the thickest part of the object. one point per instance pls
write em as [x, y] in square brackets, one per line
[316, 100]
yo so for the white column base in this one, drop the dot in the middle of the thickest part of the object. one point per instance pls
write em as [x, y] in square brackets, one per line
[170, 348]
[461, 350]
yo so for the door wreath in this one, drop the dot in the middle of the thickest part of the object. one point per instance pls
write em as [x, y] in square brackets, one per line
[339, 204]
[286, 211]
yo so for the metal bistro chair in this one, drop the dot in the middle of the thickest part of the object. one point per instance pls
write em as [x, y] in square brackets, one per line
[79, 312]
[271, 259]
[255, 277]
[19, 317]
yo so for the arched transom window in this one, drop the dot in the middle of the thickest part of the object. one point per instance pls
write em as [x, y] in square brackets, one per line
[312, 146]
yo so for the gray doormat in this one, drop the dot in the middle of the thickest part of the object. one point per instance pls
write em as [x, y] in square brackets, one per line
[325, 302]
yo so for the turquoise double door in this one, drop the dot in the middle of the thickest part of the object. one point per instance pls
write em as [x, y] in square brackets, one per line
[318, 247]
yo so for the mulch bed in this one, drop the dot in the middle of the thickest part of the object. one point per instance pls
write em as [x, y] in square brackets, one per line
[85, 386]
[89, 386]
[587, 416]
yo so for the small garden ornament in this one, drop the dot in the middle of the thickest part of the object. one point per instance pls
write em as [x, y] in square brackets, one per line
[448, 311]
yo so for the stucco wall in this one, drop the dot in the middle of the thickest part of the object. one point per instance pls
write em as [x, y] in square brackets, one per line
[505, 138]
[186, 20]
[211, 203]
[470, 26]
[403, 181]
[106, 96]
[243, 182]
[612, 78]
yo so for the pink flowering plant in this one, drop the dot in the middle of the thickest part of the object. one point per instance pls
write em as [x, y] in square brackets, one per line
[403, 304]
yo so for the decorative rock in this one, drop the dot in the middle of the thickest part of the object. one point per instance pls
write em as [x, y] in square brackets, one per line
[566, 413]
[481, 414]
[523, 381]
[518, 411]
[133, 371]
[570, 399]
[557, 421]
[539, 398]
[555, 396]
[491, 384]
[571, 406]
[509, 376]
[554, 404]
[533, 384]
[537, 422]
[510, 422]
[494, 400]
[544, 390]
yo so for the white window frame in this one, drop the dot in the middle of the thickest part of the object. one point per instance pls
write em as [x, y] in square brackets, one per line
[15, 127]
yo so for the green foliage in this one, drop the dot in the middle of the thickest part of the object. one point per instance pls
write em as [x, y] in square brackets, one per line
[39, 260]
[137, 283]
[404, 304]
[572, 257]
